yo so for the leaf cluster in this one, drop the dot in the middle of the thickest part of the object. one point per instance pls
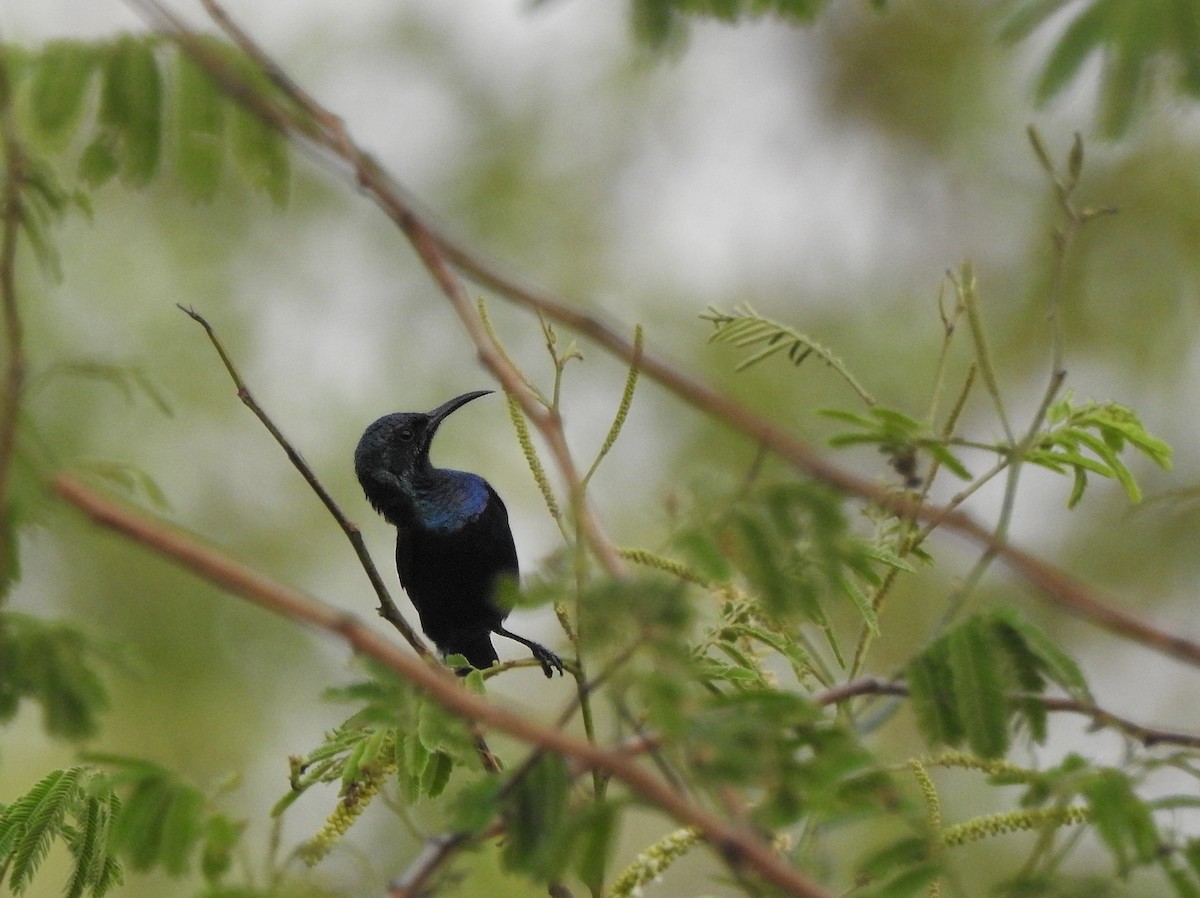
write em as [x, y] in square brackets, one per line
[1122, 819]
[792, 548]
[1104, 430]
[1135, 41]
[166, 821]
[977, 682]
[124, 105]
[113, 809]
[745, 328]
[1141, 46]
[76, 805]
[55, 666]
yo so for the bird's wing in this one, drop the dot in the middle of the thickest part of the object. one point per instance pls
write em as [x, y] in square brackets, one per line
[493, 520]
[404, 558]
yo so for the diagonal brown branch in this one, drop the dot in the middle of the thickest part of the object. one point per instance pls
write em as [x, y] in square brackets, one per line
[741, 849]
[441, 251]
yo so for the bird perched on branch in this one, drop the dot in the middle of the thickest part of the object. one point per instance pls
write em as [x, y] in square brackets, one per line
[453, 542]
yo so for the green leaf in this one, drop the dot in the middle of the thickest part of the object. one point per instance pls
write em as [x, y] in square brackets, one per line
[181, 828]
[1121, 819]
[352, 765]
[1191, 854]
[1060, 667]
[598, 830]
[1134, 41]
[1028, 15]
[63, 73]
[55, 665]
[40, 817]
[947, 459]
[99, 161]
[978, 687]
[416, 759]
[138, 830]
[262, 155]
[475, 805]
[131, 106]
[33, 820]
[535, 813]
[862, 603]
[436, 774]
[88, 848]
[745, 328]
[1183, 886]
[220, 838]
[930, 692]
[200, 128]
[442, 731]
[1083, 36]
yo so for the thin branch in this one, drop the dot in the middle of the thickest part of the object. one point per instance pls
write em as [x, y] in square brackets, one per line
[739, 848]
[387, 607]
[1063, 590]
[438, 850]
[11, 216]
[1146, 735]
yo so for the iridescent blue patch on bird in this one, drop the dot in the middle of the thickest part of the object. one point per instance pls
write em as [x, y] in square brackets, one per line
[452, 500]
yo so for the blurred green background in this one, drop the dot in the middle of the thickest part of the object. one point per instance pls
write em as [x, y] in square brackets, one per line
[829, 175]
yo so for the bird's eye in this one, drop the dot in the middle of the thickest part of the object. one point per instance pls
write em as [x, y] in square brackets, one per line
[406, 435]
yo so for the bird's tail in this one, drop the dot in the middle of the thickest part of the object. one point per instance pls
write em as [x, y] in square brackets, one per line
[477, 649]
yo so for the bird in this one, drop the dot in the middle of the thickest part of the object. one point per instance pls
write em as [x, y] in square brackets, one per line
[454, 545]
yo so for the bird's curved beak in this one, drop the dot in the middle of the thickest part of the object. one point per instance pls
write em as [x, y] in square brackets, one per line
[439, 414]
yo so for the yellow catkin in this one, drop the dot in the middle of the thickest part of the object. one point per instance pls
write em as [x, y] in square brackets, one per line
[531, 457]
[928, 791]
[1012, 821]
[631, 380]
[658, 562]
[934, 804]
[653, 862]
[355, 798]
[965, 761]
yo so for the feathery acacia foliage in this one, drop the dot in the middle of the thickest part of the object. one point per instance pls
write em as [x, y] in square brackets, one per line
[724, 662]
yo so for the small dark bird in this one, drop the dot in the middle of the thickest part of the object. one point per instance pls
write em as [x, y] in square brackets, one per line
[453, 542]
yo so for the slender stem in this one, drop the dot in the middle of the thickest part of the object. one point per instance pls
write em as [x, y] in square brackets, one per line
[739, 848]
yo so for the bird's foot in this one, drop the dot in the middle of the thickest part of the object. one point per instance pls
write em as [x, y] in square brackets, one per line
[550, 662]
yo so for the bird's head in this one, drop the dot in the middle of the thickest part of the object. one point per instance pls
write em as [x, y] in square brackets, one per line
[396, 447]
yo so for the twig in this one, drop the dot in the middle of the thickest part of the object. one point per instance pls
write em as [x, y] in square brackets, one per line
[1147, 736]
[11, 216]
[438, 850]
[739, 848]
[1063, 590]
[387, 607]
